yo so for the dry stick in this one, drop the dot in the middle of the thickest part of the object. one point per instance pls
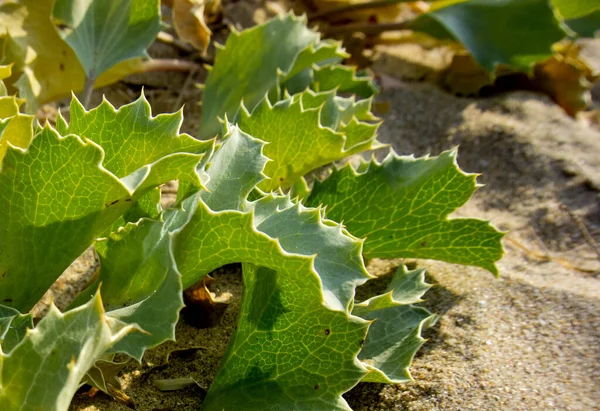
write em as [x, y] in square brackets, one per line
[175, 42]
[147, 67]
[172, 41]
[367, 28]
[546, 257]
[169, 65]
[183, 88]
[581, 225]
[354, 7]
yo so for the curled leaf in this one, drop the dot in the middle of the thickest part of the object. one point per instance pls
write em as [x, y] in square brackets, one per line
[204, 308]
[190, 19]
[567, 78]
[104, 376]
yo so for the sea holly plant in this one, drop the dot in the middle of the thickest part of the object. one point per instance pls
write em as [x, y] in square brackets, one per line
[301, 340]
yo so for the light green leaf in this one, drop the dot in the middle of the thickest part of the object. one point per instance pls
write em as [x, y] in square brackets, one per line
[13, 326]
[105, 33]
[298, 142]
[57, 199]
[573, 9]
[517, 33]
[17, 128]
[230, 182]
[254, 62]
[395, 334]
[343, 79]
[406, 287]
[337, 110]
[274, 224]
[320, 52]
[301, 76]
[141, 284]
[300, 272]
[146, 206]
[130, 136]
[60, 195]
[585, 26]
[401, 207]
[287, 352]
[44, 370]
[5, 72]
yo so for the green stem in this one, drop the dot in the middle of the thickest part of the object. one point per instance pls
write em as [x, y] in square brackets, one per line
[88, 88]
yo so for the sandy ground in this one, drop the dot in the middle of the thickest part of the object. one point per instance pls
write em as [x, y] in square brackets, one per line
[529, 340]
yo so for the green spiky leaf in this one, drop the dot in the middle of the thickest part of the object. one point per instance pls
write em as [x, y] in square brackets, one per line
[98, 44]
[344, 79]
[395, 334]
[298, 141]
[141, 284]
[13, 326]
[285, 248]
[44, 370]
[129, 137]
[401, 207]
[254, 62]
[284, 354]
[16, 129]
[57, 200]
[60, 194]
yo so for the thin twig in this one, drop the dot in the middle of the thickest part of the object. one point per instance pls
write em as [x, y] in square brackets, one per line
[177, 43]
[173, 41]
[177, 104]
[546, 257]
[318, 15]
[368, 28]
[584, 231]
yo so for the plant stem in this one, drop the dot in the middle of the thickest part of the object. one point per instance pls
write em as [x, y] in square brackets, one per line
[354, 7]
[88, 88]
